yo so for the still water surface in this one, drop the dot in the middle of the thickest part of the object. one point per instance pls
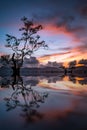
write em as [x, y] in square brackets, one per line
[57, 102]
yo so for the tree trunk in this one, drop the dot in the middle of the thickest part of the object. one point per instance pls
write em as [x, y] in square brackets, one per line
[16, 71]
[15, 67]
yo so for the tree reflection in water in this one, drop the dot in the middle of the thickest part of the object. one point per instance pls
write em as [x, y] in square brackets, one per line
[27, 98]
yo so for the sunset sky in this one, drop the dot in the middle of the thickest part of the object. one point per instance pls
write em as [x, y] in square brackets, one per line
[64, 22]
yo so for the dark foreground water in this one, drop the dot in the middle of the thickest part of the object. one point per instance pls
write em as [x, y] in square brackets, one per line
[41, 103]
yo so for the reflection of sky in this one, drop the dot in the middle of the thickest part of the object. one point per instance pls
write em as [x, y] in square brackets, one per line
[64, 24]
[64, 84]
[53, 82]
[60, 109]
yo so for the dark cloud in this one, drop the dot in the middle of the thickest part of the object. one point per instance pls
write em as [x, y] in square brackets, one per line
[81, 8]
[79, 48]
[83, 11]
[82, 48]
[68, 24]
[44, 17]
[65, 49]
[65, 21]
[64, 14]
[56, 54]
[61, 49]
[80, 3]
[61, 13]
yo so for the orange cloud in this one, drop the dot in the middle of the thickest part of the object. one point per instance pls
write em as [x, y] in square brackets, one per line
[52, 29]
[74, 54]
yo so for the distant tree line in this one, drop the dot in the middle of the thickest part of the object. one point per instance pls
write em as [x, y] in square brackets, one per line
[5, 59]
[73, 63]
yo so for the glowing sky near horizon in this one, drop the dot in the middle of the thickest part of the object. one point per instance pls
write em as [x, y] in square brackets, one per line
[64, 22]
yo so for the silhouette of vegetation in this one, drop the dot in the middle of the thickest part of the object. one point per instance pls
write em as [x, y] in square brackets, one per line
[27, 44]
[5, 59]
[77, 69]
[72, 64]
[83, 61]
[26, 98]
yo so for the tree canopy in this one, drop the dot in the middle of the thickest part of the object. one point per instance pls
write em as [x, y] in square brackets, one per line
[28, 42]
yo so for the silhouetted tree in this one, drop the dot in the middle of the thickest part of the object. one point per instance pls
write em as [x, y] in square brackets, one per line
[72, 64]
[26, 45]
[5, 59]
[83, 61]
